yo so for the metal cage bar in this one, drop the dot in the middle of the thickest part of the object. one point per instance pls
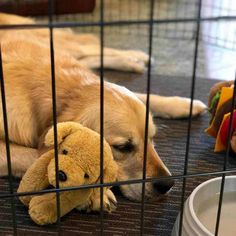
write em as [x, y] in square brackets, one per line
[54, 109]
[118, 183]
[8, 153]
[51, 25]
[147, 113]
[190, 115]
[101, 115]
[112, 23]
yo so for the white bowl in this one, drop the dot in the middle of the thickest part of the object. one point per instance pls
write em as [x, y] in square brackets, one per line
[201, 207]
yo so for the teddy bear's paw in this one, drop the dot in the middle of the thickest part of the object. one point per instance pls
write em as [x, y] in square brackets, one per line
[40, 213]
[25, 200]
[38, 217]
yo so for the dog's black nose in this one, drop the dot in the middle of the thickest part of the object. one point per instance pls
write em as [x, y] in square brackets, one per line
[62, 176]
[163, 186]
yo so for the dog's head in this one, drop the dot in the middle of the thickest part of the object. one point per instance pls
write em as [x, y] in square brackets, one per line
[124, 130]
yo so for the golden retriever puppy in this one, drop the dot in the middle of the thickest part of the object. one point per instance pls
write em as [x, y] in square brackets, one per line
[27, 76]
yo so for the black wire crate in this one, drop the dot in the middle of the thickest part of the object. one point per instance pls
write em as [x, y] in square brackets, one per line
[181, 143]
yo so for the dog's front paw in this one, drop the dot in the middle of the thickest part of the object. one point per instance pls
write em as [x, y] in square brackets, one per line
[182, 107]
[137, 56]
[179, 107]
[109, 201]
[198, 107]
[135, 61]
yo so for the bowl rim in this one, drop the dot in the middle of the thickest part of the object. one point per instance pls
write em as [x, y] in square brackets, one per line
[192, 197]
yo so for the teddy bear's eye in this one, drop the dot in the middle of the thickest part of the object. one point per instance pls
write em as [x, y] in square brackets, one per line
[64, 151]
[86, 176]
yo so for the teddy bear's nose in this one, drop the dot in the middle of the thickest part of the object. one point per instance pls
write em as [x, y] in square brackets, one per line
[62, 176]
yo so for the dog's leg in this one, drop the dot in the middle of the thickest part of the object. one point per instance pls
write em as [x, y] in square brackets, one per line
[95, 49]
[21, 158]
[89, 54]
[134, 61]
[113, 62]
[172, 107]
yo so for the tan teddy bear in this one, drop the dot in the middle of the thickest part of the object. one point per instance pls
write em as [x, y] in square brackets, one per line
[79, 164]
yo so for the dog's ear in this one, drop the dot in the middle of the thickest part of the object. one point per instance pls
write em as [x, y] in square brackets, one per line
[110, 172]
[63, 130]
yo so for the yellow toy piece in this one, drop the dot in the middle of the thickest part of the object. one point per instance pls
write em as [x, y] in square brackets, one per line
[219, 146]
[226, 94]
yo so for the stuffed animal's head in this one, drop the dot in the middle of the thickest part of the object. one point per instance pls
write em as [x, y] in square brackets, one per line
[79, 156]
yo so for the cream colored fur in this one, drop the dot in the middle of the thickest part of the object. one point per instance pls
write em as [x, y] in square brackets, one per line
[27, 74]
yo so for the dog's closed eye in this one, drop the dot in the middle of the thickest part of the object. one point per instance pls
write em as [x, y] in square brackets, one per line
[125, 147]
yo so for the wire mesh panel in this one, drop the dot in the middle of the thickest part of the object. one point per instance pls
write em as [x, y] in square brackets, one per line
[180, 142]
[221, 33]
[133, 10]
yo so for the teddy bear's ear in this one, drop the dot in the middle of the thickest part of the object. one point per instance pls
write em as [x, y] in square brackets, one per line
[63, 130]
[110, 172]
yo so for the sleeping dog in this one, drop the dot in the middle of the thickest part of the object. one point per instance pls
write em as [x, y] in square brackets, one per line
[27, 74]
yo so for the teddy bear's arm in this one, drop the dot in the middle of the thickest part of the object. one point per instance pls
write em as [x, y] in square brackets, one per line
[35, 177]
[43, 209]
